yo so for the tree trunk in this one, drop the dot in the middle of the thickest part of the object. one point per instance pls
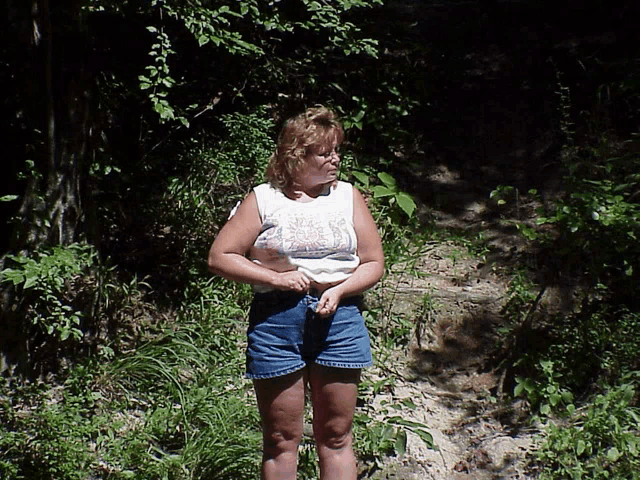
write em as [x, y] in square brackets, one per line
[51, 212]
[53, 108]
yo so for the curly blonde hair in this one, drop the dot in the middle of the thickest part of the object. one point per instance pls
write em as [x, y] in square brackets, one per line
[301, 135]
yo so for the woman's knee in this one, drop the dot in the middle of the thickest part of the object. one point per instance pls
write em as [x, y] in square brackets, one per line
[334, 393]
[334, 435]
[278, 441]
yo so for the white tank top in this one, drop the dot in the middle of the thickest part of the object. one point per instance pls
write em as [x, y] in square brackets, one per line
[317, 237]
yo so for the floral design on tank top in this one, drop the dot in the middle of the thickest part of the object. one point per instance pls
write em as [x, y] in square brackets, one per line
[304, 236]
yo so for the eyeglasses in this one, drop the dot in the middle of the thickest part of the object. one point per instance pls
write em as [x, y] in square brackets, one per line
[326, 155]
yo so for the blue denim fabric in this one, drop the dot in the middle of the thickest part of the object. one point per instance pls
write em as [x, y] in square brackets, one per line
[285, 335]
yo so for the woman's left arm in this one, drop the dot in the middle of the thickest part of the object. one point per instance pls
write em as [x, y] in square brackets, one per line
[371, 266]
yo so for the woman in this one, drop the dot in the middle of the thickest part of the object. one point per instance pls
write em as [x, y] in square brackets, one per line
[309, 246]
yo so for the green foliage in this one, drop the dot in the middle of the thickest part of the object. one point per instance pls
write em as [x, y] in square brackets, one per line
[53, 441]
[45, 279]
[600, 341]
[600, 213]
[342, 34]
[501, 193]
[375, 440]
[174, 408]
[600, 441]
[216, 176]
[380, 109]
[546, 393]
[157, 79]
[379, 431]
[388, 331]
[520, 294]
[392, 209]
[243, 154]
[308, 461]
[187, 385]
[246, 28]
[390, 189]
[590, 233]
[507, 194]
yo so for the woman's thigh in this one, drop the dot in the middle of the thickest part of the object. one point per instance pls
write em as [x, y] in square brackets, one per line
[334, 392]
[281, 405]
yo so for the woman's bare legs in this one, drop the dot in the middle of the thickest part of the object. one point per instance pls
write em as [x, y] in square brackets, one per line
[281, 405]
[334, 392]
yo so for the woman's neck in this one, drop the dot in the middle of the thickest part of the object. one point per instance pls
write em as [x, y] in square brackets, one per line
[307, 193]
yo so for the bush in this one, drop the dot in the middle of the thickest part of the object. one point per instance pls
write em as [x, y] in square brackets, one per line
[216, 177]
[600, 441]
[44, 281]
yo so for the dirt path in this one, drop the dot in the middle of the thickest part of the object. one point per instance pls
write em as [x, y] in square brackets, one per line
[456, 306]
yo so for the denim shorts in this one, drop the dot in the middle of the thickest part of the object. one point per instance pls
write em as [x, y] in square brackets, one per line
[285, 335]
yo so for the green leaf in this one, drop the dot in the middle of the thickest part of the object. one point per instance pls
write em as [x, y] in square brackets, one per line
[613, 454]
[387, 179]
[401, 443]
[361, 177]
[387, 432]
[404, 422]
[409, 403]
[10, 275]
[426, 437]
[358, 116]
[406, 203]
[580, 447]
[519, 388]
[635, 416]
[8, 198]
[30, 282]
[380, 191]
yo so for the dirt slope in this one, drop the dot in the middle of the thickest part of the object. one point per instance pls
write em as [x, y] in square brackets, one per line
[455, 305]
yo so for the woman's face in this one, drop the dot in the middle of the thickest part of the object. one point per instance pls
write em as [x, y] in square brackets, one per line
[321, 165]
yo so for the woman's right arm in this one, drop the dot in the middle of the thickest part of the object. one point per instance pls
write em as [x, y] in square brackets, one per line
[227, 256]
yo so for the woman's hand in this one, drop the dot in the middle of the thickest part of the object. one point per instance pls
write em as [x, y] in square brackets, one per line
[329, 301]
[292, 280]
[371, 256]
